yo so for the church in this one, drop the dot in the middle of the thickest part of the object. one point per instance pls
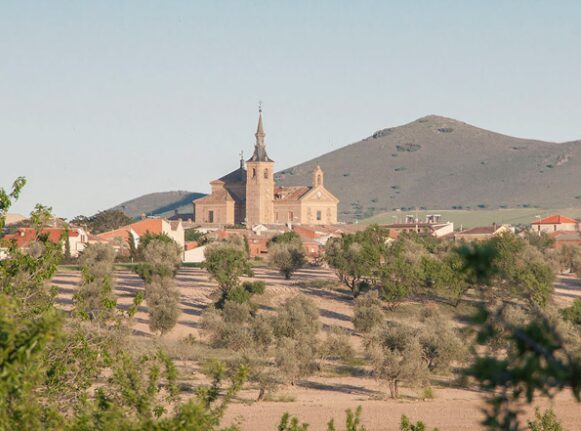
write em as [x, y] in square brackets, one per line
[250, 196]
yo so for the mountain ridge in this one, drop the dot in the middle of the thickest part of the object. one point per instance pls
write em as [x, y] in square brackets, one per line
[432, 162]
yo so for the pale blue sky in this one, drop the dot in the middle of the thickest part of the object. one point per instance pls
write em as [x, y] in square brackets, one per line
[102, 101]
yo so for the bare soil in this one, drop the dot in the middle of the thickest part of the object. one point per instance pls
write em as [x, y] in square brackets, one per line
[319, 398]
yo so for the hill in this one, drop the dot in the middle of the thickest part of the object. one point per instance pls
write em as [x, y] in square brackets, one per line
[438, 162]
[160, 204]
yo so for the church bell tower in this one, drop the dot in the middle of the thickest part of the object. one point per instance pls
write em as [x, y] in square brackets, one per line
[259, 182]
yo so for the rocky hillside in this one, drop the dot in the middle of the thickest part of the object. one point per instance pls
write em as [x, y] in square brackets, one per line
[438, 163]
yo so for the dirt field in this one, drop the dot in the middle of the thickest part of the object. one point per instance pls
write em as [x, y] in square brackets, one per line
[317, 399]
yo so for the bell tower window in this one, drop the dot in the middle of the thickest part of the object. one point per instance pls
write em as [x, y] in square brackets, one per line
[266, 174]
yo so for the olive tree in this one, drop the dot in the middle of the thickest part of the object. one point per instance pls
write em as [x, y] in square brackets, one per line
[161, 256]
[287, 258]
[295, 327]
[162, 297]
[368, 312]
[95, 299]
[226, 263]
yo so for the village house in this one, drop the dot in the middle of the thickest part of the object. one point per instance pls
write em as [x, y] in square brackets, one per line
[556, 223]
[482, 233]
[119, 238]
[431, 225]
[76, 237]
[193, 252]
[250, 196]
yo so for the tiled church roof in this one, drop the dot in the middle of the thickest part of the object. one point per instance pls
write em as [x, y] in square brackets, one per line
[290, 193]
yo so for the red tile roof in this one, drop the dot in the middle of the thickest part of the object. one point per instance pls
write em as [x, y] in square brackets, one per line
[290, 193]
[555, 219]
[26, 235]
[190, 245]
[151, 225]
[480, 230]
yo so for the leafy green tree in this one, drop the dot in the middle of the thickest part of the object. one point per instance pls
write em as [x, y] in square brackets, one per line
[444, 275]
[8, 198]
[539, 359]
[356, 257]
[506, 267]
[103, 221]
[243, 294]
[290, 237]
[22, 342]
[287, 258]
[226, 263]
[401, 273]
[195, 235]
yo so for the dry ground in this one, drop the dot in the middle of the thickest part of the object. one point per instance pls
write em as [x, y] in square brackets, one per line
[317, 399]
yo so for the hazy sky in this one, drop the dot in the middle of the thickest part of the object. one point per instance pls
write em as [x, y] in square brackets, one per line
[102, 101]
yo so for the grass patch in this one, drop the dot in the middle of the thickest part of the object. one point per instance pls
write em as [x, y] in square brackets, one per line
[482, 217]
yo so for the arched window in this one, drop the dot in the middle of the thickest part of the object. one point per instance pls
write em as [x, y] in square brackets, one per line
[253, 172]
[266, 174]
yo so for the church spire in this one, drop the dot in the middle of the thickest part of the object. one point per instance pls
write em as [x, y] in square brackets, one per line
[259, 148]
[260, 129]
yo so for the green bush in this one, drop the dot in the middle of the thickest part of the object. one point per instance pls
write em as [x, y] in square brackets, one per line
[368, 312]
[546, 421]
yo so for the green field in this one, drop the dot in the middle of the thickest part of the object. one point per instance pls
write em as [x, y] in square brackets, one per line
[472, 218]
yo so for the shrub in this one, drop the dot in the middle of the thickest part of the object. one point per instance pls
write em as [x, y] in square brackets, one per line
[573, 313]
[291, 423]
[236, 328]
[95, 299]
[546, 421]
[162, 257]
[162, 298]
[297, 317]
[336, 345]
[406, 425]
[295, 358]
[243, 293]
[368, 312]
[428, 393]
